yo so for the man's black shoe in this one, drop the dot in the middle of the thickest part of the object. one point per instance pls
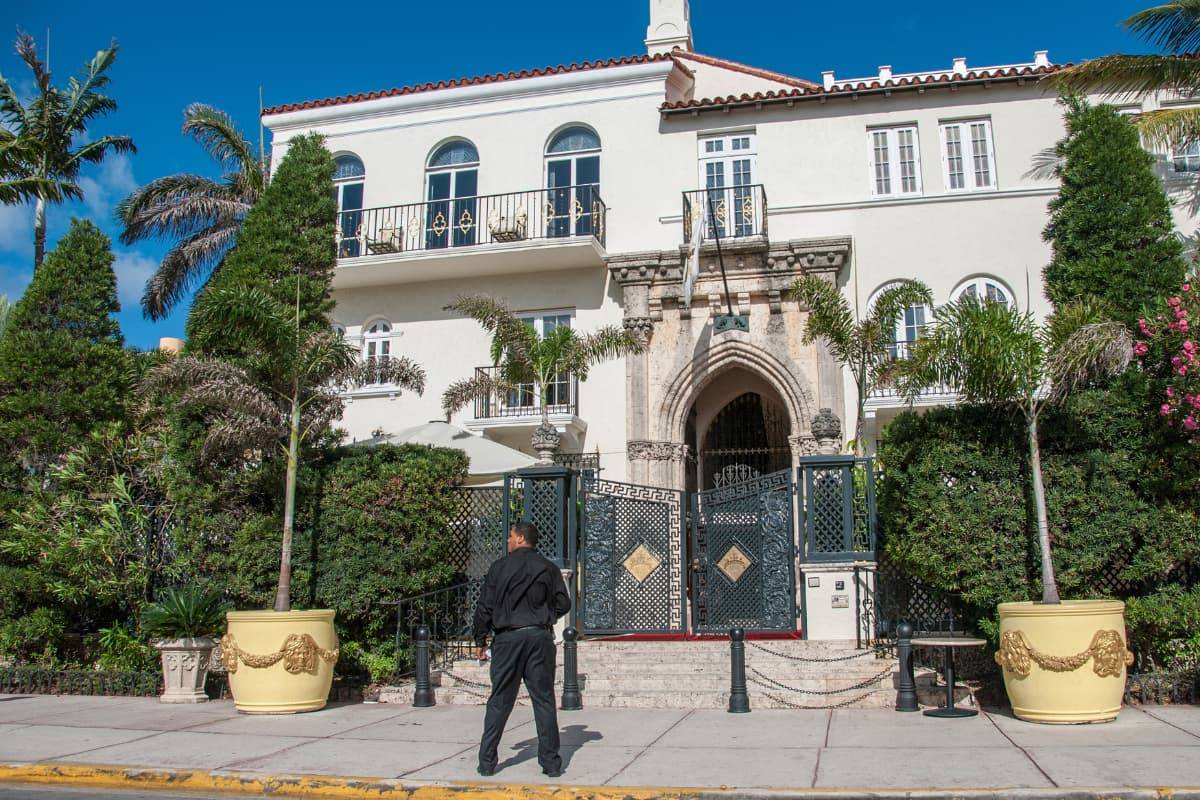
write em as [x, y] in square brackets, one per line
[553, 773]
[486, 772]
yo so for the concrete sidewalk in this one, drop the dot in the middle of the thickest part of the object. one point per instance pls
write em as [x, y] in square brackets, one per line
[789, 753]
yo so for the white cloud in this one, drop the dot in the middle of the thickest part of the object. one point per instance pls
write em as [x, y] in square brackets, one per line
[133, 269]
[112, 183]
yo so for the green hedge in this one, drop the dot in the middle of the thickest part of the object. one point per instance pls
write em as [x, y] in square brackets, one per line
[955, 510]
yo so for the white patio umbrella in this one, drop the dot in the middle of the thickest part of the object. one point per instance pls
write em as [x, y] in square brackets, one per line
[489, 460]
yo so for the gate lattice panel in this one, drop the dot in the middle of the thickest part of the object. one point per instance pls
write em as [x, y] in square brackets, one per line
[632, 559]
[838, 504]
[743, 551]
[478, 536]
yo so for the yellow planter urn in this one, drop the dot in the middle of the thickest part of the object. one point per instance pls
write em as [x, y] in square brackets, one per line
[279, 662]
[1064, 663]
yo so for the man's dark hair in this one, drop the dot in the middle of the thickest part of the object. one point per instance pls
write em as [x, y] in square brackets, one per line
[527, 531]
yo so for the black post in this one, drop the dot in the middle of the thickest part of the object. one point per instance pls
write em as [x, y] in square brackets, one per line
[739, 701]
[906, 693]
[423, 694]
[572, 700]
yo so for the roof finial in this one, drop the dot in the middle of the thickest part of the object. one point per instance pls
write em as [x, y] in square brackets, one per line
[670, 26]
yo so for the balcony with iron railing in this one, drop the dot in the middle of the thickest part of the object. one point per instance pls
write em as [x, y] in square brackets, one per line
[725, 213]
[889, 395]
[562, 228]
[520, 409]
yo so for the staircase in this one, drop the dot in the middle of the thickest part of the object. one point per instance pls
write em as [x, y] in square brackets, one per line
[784, 673]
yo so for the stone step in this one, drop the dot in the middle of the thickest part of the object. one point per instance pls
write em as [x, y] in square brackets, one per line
[688, 670]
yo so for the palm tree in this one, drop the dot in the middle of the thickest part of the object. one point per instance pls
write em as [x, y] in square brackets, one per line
[44, 145]
[1175, 28]
[289, 393]
[868, 346]
[6, 308]
[991, 353]
[202, 215]
[523, 357]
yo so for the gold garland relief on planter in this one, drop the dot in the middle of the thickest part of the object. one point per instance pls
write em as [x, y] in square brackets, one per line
[299, 654]
[1107, 652]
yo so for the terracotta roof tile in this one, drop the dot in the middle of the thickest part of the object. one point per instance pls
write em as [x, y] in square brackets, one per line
[745, 69]
[475, 81]
[901, 82]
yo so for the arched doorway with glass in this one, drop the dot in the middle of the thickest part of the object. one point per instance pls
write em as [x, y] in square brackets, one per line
[910, 325]
[572, 181]
[348, 180]
[738, 429]
[451, 194]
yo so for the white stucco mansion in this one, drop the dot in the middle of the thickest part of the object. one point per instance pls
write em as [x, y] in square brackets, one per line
[573, 193]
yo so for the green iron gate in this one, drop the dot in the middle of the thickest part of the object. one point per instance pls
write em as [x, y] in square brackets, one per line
[743, 556]
[631, 560]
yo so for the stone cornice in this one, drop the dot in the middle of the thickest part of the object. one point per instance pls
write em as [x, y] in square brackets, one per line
[649, 450]
[752, 258]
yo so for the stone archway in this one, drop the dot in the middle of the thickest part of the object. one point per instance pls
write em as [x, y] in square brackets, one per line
[738, 429]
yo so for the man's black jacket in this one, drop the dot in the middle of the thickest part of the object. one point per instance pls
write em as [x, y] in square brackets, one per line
[521, 589]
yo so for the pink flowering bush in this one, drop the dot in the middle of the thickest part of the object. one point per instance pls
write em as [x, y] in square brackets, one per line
[1166, 348]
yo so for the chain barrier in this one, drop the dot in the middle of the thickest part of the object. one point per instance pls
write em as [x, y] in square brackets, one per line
[861, 654]
[822, 692]
[845, 703]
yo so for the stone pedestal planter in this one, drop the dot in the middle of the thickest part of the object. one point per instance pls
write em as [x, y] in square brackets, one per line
[185, 665]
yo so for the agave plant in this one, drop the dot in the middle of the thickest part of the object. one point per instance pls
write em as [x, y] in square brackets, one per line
[522, 357]
[865, 346]
[185, 613]
[991, 353]
[290, 393]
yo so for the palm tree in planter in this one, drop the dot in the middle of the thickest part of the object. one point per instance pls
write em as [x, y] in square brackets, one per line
[866, 346]
[522, 357]
[991, 353]
[289, 392]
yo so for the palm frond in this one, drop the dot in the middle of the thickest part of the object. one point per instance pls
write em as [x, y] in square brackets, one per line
[179, 205]
[893, 300]
[233, 436]
[1044, 165]
[397, 371]
[1170, 127]
[221, 138]
[829, 314]
[1082, 342]
[188, 263]
[1130, 76]
[233, 397]
[184, 371]
[510, 335]
[481, 386]
[587, 350]
[1173, 26]
[325, 355]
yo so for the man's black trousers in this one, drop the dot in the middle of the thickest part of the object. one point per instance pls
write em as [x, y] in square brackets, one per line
[522, 655]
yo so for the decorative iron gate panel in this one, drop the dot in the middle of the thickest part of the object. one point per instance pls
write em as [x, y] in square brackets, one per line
[632, 559]
[743, 572]
[838, 504]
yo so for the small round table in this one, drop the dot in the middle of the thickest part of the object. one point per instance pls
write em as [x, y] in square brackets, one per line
[948, 645]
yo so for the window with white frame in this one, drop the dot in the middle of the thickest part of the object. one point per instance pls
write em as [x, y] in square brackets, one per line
[558, 391]
[348, 179]
[377, 344]
[983, 287]
[968, 157]
[727, 172]
[910, 325]
[1186, 157]
[895, 159]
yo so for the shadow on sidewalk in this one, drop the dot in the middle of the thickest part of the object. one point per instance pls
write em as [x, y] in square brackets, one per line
[573, 737]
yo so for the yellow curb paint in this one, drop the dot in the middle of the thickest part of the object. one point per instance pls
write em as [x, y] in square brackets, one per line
[313, 786]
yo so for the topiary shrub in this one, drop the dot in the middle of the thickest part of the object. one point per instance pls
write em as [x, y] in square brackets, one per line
[382, 532]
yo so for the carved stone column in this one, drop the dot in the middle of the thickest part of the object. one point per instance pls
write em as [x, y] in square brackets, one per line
[634, 272]
[830, 373]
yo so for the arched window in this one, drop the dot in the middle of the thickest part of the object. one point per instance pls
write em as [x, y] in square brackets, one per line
[572, 181]
[451, 187]
[910, 325]
[348, 178]
[984, 287]
[377, 344]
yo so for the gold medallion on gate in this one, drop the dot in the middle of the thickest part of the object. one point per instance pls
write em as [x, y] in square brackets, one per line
[641, 563]
[734, 563]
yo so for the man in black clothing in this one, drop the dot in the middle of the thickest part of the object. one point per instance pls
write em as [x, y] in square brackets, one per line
[522, 597]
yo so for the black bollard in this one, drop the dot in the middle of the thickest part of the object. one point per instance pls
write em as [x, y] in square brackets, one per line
[423, 693]
[739, 701]
[906, 692]
[572, 700]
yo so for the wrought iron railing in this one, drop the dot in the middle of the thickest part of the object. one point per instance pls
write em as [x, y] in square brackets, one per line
[902, 351]
[449, 615]
[436, 225]
[526, 399]
[728, 212]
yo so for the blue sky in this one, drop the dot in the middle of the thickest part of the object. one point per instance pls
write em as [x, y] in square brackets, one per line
[172, 55]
